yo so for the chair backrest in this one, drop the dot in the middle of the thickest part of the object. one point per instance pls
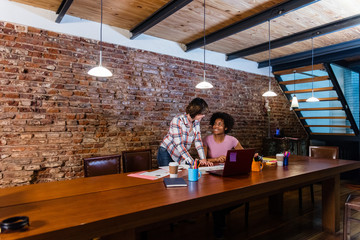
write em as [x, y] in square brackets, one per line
[324, 152]
[136, 160]
[97, 166]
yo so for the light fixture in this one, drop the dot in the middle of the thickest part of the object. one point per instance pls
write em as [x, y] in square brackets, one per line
[269, 93]
[100, 71]
[294, 102]
[312, 98]
[204, 84]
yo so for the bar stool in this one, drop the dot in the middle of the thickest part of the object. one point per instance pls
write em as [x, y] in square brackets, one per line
[352, 203]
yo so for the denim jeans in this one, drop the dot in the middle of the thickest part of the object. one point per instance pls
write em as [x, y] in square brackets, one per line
[163, 157]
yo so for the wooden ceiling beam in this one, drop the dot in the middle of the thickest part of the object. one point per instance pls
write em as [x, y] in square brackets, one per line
[249, 22]
[164, 12]
[325, 54]
[64, 6]
[300, 36]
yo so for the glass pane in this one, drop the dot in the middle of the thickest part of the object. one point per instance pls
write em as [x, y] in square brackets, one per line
[349, 84]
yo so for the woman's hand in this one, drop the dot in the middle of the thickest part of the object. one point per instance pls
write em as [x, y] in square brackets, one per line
[221, 159]
[204, 162]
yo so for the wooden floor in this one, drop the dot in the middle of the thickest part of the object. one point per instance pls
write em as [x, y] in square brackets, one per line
[292, 225]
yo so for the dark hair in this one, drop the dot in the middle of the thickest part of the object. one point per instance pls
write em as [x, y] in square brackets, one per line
[196, 106]
[228, 120]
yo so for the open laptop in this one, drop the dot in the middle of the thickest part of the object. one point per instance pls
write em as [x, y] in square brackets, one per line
[237, 162]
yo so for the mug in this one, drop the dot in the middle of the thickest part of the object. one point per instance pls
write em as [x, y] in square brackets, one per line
[194, 174]
[280, 157]
[256, 166]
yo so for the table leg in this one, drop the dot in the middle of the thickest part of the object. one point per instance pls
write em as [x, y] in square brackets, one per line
[275, 204]
[124, 235]
[331, 204]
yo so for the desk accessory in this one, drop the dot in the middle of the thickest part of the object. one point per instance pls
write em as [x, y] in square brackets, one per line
[194, 174]
[286, 158]
[257, 164]
[174, 182]
[14, 223]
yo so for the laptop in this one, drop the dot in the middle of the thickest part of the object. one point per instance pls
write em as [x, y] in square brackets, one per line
[238, 162]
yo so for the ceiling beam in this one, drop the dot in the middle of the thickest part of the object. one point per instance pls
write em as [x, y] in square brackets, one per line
[249, 22]
[64, 6]
[300, 36]
[354, 65]
[331, 53]
[164, 12]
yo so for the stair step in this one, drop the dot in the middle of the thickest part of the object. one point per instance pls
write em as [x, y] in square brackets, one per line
[334, 134]
[318, 109]
[310, 90]
[322, 117]
[320, 99]
[305, 80]
[337, 126]
[300, 69]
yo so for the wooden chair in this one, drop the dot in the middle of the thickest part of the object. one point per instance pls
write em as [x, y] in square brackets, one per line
[136, 160]
[352, 204]
[331, 152]
[97, 166]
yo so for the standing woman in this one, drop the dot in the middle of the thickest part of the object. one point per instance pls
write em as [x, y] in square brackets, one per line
[184, 129]
[217, 144]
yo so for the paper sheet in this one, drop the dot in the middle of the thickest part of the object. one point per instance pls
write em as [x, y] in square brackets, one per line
[205, 169]
[153, 175]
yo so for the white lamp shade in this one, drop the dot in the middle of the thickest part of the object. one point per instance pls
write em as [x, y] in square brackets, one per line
[204, 85]
[269, 94]
[294, 102]
[99, 71]
[312, 99]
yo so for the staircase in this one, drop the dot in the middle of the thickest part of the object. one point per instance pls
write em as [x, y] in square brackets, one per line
[332, 115]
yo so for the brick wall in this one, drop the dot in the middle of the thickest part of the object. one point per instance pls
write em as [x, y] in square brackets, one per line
[52, 114]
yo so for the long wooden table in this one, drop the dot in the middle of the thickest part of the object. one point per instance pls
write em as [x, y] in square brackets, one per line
[92, 207]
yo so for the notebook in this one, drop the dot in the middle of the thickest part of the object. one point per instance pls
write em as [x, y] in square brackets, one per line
[237, 162]
[174, 182]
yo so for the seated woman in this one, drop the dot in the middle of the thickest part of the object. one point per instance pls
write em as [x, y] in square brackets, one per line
[217, 144]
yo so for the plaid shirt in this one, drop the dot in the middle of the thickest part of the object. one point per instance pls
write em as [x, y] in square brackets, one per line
[179, 139]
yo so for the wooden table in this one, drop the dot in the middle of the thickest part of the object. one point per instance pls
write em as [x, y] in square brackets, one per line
[91, 207]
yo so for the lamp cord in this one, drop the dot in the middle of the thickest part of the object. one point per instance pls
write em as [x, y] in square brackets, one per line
[101, 23]
[294, 81]
[204, 37]
[269, 56]
[312, 65]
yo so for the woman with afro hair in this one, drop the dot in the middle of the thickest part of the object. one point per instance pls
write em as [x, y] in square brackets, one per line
[217, 144]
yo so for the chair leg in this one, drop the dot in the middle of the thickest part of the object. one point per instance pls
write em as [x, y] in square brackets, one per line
[300, 198]
[312, 194]
[346, 223]
[247, 207]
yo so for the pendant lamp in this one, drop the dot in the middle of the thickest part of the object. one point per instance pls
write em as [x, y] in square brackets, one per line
[294, 102]
[269, 93]
[100, 71]
[312, 98]
[204, 84]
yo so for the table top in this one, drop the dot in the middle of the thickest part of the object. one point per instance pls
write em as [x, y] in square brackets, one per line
[106, 204]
